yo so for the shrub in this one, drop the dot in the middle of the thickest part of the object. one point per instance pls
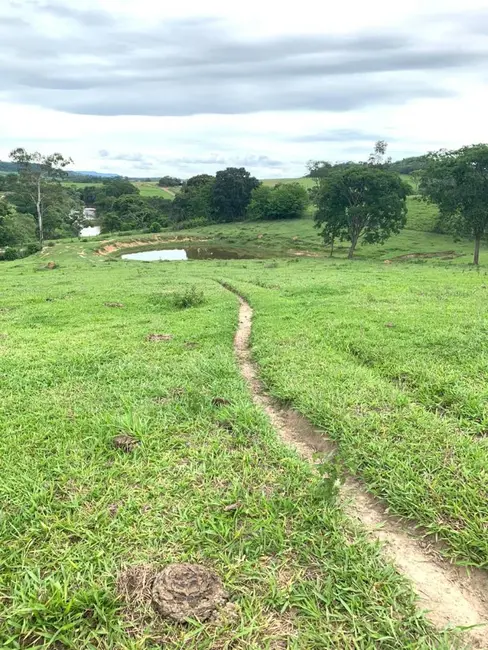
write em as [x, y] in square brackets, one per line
[190, 297]
[11, 254]
[155, 227]
[32, 248]
[51, 243]
[197, 222]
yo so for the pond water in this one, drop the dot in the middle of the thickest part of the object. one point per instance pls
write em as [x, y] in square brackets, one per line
[90, 231]
[175, 254]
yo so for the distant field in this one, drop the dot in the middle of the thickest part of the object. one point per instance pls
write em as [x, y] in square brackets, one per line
[148, 188]
[145, 188]
[306, 182]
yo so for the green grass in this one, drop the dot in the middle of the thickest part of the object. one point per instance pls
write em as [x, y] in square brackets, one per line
[75, 511]
[392, 362]
[148, 188]
[306, 182]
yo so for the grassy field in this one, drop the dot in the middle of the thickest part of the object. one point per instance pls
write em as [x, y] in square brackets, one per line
[206, 483]
[392, 363]
[145, 188]
[306, 182]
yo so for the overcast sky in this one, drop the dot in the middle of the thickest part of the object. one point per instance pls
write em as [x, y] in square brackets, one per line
[146, 88]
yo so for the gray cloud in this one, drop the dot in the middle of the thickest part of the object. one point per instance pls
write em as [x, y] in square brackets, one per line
[142, 161]
[97, 64]
[341, 135]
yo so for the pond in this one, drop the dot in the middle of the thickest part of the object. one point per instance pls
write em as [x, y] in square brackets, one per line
[177, 254]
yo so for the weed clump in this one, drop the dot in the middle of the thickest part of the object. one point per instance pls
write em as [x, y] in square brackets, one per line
[189, 297]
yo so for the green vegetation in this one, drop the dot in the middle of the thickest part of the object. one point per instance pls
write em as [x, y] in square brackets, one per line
[307, 183]
[457, 181]
[147, 188]
[206, 483]
[282, 201]
[390, 361]
[364, 202]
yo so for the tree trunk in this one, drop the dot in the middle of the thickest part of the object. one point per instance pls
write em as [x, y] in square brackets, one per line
[354, 242]
[39, 213]
[332, 248]
[477, 242]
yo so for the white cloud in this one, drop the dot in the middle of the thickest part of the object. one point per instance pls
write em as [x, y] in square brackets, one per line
[182, 88]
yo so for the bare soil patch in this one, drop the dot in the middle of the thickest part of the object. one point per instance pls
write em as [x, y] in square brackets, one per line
[448, 255]
[159, 337]
[125, 443]
[113, 247]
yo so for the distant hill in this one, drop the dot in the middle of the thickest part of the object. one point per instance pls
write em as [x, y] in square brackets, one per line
[96, 174]
[12, 168]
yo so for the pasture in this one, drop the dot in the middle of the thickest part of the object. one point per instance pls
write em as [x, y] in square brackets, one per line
[388, 360]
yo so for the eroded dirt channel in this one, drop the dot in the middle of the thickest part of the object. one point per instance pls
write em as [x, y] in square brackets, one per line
[452, 596]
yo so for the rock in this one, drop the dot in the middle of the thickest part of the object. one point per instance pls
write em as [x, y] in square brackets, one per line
[51, 265]
[183, 591]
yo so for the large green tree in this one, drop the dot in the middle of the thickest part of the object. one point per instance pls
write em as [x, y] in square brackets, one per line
[283, 201]
[232, 193]
[195, 200]
[457, 181]
[363, 202]
[37, 173]
[15, 229]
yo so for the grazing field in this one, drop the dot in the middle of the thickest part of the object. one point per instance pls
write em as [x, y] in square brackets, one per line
[306, 182]
[208, 480]
[392, 362]
[300, 237]
[148, 188]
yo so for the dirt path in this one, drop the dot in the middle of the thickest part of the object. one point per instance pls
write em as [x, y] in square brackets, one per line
[452, 596]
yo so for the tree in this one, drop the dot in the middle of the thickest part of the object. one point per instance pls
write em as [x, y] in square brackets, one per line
[170, 181]
[378, 156]
[232, 193]
[457, 181]
[115, 187]
[364, 201]
[415, 179]
[36, 173]
[15, 229]
[195, 200]
[283, 201]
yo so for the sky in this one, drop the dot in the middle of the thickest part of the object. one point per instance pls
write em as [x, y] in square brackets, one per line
[147, 88]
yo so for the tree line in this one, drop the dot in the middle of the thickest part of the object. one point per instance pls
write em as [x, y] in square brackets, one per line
[367, 201]
[231, 195]
[354, 202]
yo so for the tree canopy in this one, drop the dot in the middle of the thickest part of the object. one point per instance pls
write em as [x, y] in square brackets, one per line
[283, 201]
[232, 193]
[363, 202]
[457, 181]
[170, 181]
[38, 175]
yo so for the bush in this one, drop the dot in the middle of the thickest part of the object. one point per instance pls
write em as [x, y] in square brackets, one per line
[51, 243]
[283, 201]
[32, 248]
[190, 297]
[155, 227]
[11, 254]
[197, 222]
